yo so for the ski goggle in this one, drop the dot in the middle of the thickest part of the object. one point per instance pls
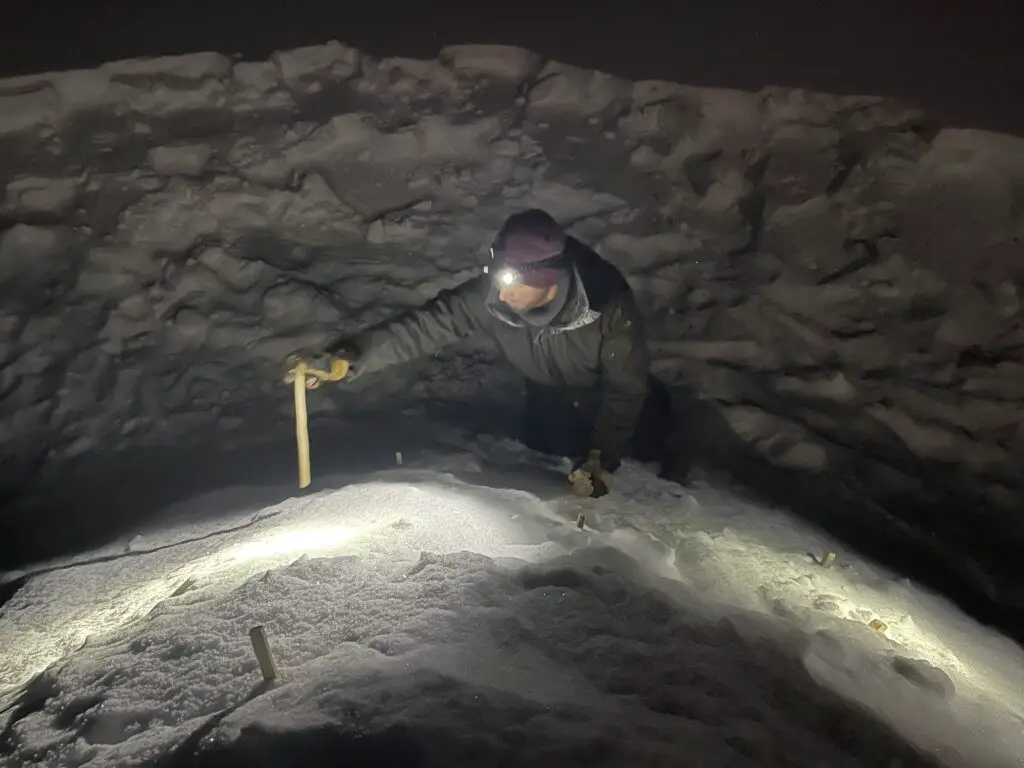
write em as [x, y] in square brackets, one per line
[507, 276]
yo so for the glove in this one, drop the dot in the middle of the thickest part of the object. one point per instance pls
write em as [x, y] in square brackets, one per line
[589, 477]
[320, 367]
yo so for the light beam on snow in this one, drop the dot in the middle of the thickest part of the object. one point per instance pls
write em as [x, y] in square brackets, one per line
[301, 541]
[760, 577]
[743, 556]
[387, 521]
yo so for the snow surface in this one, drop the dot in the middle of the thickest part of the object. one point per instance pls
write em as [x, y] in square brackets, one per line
[451, 610]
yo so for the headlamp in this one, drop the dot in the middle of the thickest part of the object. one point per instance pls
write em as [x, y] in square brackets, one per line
[502, 274]
[506, 275]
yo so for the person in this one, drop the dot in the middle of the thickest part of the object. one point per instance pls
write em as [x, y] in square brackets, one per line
[566, 319]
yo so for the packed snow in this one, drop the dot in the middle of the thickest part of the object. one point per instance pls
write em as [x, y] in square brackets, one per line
[451, 611]
[172, 227]
[462, 608]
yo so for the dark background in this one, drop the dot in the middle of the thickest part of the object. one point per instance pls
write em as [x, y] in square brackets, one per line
[958, 59]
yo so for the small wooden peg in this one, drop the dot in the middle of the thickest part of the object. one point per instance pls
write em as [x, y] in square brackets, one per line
[260, 646]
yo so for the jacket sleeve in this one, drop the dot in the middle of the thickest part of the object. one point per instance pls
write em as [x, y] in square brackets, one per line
[625, 368]
[451, 316]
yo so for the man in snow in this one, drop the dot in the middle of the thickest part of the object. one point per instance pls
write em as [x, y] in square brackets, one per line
[566, 319]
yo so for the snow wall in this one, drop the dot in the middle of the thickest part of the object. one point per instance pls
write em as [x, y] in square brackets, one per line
[838, 278]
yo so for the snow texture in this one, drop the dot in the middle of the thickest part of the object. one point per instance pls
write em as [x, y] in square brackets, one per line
[837, 277]
[460, 617]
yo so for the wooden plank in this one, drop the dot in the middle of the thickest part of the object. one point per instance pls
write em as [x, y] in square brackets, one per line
[302, 425]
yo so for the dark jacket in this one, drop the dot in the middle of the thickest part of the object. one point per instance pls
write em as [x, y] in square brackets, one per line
[596, 339]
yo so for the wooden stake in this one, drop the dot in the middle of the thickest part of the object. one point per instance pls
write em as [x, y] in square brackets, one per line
[581, 520]
[260, 646]
[302, 425]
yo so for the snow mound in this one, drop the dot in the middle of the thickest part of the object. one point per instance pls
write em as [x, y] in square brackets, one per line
[450, 659]
[417, 618]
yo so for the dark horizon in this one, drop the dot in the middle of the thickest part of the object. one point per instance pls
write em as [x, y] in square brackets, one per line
[956, 60]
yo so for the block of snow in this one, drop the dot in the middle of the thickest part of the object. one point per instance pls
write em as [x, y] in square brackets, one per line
[242, 335]
[260, 76]
[504, 62]
[23, 112]
[783, 441]
[258, 87]
[314, 206]
[960, 149]
[189, 66]
[354, 138]
[663, 119]
[304, 69]
[1004, 381]
[406, 78]
[189, 326]
[645, 252]
[801, 455]
[443, 140]
[237, 274]
[734, 115]
[87, 89]
[572, 90]
[924, 440]
[127, 258]
[29, 253]
[40, 195]
[836, 387]
[741, 353]
[159, 100]
[106, 284]
[291, 305]
[348, 135]
[797, 105]
[180, 160]
[646, 92]
[568, 204]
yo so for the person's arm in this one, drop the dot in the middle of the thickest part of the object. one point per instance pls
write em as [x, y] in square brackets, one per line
[625, 368]
[452, 315]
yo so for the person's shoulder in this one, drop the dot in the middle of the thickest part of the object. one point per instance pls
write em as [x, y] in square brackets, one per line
[604, 284]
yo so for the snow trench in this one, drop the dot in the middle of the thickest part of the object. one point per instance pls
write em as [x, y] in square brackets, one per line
[832, 283]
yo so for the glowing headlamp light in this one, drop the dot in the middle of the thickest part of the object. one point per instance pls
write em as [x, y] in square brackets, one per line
[507, 276]
[502, 275]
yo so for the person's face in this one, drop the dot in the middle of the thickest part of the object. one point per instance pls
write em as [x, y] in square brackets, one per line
[523, 298]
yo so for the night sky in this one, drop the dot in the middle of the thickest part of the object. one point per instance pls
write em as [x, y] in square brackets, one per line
[961, 60]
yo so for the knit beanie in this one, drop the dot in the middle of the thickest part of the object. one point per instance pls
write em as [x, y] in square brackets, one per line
[531, 236]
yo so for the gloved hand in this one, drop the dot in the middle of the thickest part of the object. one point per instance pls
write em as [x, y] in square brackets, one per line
[590, 478]
[320, 367]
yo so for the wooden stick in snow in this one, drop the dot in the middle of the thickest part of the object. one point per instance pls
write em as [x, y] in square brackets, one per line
[260, 646]
[302, 425]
